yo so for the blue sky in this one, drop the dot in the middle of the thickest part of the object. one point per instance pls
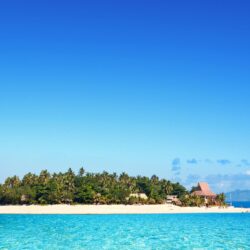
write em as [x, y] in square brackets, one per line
[146, 87]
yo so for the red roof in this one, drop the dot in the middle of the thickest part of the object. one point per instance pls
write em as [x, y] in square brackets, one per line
[203, 190]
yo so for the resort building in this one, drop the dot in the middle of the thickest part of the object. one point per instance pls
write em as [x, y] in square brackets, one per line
[171, 198]
[139, 195]
[203, 190]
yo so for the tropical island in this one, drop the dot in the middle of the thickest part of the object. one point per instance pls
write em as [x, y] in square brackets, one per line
[102, 188]
[105, 193]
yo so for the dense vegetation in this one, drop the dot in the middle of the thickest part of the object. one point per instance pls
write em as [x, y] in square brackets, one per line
[96, 188]
[197, 201]
[86, 188]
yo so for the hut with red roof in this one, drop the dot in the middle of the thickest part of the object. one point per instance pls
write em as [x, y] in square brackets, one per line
[203, 190]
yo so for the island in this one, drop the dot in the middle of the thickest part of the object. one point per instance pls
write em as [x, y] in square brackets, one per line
[105, 193]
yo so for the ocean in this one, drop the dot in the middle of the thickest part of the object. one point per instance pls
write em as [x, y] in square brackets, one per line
[163, 231]
[245, 204]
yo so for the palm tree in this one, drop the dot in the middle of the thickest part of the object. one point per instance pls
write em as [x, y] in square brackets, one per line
[221, 199]
[81, 172]
[154, 179]
[12, 182]
[30, 179]
[167, 186]
[87, 188]
[44, 177]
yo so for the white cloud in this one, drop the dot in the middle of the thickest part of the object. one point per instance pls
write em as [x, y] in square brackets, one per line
[225, 183]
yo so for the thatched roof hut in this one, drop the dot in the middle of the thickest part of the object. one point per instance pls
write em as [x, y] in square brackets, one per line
[203, 190]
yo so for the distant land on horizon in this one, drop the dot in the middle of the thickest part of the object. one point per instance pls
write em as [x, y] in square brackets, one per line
[238, 195]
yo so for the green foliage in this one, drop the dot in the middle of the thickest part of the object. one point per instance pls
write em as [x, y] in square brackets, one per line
[192, 201]
[221, 199]
[86, 188]
[197, 201]
[179, 190]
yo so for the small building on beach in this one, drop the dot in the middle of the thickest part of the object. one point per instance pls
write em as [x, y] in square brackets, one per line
[171, 198]
[204, 191]
[142, 196]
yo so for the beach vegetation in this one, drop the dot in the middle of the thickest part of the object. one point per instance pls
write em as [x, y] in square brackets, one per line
[98, 188]
[87, 188]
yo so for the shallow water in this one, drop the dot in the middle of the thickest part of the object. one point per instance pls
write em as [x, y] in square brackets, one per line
[165, 231]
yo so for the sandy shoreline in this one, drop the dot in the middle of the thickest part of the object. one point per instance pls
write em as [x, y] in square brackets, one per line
[115, 209]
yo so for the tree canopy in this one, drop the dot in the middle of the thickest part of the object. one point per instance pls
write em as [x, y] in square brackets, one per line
[86, 188]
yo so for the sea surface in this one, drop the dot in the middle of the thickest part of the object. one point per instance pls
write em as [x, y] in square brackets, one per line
[165, 231]
[245, 204]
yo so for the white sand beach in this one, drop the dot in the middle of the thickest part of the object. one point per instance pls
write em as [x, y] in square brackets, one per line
[115, 209]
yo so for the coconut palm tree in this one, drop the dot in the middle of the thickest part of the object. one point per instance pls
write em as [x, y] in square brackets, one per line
[86, 188]
[44, 177]
[12, 182]
[30, 179]
[221, 199]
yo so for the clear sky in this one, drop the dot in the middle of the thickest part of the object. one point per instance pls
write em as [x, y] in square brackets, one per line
[146, 87]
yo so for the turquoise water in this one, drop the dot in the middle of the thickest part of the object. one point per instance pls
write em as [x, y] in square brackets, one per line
[167, 231]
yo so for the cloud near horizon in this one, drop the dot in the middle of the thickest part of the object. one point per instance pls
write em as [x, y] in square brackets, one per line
[245, 162]
[224, 162]
[221, 183]
[226, 183]
[208, 161]
[191, 180]
[176, 166]
[192, 161]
